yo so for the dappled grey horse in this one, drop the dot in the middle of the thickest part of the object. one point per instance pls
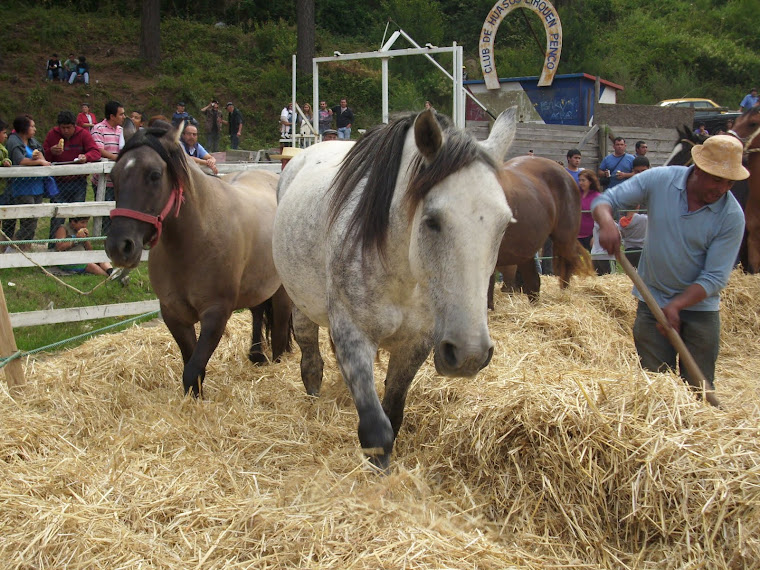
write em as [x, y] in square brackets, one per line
[390, 243]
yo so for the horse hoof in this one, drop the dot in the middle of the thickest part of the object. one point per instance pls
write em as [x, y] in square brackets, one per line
[258, 358]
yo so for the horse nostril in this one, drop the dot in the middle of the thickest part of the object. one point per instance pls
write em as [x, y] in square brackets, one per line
[449, 352]
[129, 246]
[488, 360]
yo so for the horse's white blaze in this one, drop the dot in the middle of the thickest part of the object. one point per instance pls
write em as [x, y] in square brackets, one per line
[129, 163]
[676, 151]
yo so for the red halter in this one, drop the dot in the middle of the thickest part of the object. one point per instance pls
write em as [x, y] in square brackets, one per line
[175, 197]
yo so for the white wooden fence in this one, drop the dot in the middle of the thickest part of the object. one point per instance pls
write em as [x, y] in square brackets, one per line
[95, 209]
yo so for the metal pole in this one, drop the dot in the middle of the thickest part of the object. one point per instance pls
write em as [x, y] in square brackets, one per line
[385, 89]
[450, 76]
[293, 100]
[315, 95]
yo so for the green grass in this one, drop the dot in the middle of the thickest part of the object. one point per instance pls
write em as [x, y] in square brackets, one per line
[32, 290]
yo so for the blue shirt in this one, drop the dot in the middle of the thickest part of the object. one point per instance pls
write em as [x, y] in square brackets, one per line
[574, 174]
[198, 151]
[681, 247]
[748, 102]
[613, 164]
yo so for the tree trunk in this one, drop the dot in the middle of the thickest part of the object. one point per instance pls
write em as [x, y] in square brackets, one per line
[306, 33]
[150, 32]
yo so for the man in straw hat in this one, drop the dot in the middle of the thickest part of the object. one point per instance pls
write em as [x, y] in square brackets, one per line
[694, 231]
[287, 153]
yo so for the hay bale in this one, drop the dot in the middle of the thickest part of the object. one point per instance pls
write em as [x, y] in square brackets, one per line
[561, 453]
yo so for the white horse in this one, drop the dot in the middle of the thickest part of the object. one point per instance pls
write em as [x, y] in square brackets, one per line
[390, 243]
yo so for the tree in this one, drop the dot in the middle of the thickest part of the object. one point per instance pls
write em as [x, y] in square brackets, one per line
[150, 32]
[306, 27]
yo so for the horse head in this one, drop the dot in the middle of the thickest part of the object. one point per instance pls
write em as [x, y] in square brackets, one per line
[681, 153]
[458, 218]
[747, 129]
[149, 179]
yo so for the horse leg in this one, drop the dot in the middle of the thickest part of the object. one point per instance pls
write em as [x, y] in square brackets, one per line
[356, 353]
[509, 276]
[753, 252]
[256, 352]
[183, 334]
[213, 323]
[307, 337]
[282, 308]
[531, 280]
[404, 363]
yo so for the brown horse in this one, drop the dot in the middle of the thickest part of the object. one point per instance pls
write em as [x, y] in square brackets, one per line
[747, 129]
[546, 202]
[211, 243]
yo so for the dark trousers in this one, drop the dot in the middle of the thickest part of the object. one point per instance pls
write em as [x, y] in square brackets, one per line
[234, 141]
[634, 256]
[69, 191]
[602, 266]
[212, 142]
[586, 242]
[700, 331]
[547, 264]
[27, 226]
[107, 220]
[8, 226]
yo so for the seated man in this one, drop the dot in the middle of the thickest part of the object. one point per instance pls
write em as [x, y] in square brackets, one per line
[69, 67]
[82, 72]
[330, 135]
[54, 68]
[194, 149]
[77, 228]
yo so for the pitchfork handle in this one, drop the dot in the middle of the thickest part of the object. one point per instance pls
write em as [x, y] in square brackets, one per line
[696, 378]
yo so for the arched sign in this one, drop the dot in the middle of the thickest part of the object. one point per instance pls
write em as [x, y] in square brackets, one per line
[552, 25]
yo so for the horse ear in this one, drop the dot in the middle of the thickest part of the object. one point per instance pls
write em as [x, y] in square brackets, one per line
[129, 128]
[502, 134]
[427, 135]
[176, 134]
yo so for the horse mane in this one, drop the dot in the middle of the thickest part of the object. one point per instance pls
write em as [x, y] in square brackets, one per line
[376, 160]
[172, 154]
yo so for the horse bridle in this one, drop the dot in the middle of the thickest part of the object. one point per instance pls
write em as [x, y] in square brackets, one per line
[175, 198]
[748, 141]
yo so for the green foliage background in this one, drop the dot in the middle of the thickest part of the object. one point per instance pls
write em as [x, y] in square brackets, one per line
[671, 48]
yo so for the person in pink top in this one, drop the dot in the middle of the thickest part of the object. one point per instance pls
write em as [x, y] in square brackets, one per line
[590, 189]
[108, 135]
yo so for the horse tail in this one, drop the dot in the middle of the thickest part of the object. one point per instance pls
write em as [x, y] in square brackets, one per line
[576, 263]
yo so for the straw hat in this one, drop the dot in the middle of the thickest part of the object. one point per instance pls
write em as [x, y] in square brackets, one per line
[287, 153]
[721, 155]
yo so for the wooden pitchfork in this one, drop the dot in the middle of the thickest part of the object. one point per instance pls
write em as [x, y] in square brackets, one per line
[696, 378]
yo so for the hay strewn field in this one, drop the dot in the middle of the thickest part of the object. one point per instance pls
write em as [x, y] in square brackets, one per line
[561, 454]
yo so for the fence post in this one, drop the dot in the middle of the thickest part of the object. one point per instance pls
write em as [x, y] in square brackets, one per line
[14, 371]
[100, 195]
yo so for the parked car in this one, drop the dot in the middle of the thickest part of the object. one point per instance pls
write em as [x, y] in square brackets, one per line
[702, 104]
[706, 111]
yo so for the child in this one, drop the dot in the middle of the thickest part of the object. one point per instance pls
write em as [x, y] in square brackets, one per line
[77, 228]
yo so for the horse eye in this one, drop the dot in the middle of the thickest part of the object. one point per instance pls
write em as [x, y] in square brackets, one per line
[155, 176]
[432, 223]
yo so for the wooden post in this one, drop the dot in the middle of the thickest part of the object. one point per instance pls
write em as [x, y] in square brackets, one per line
[696, 378]
[14, 371]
